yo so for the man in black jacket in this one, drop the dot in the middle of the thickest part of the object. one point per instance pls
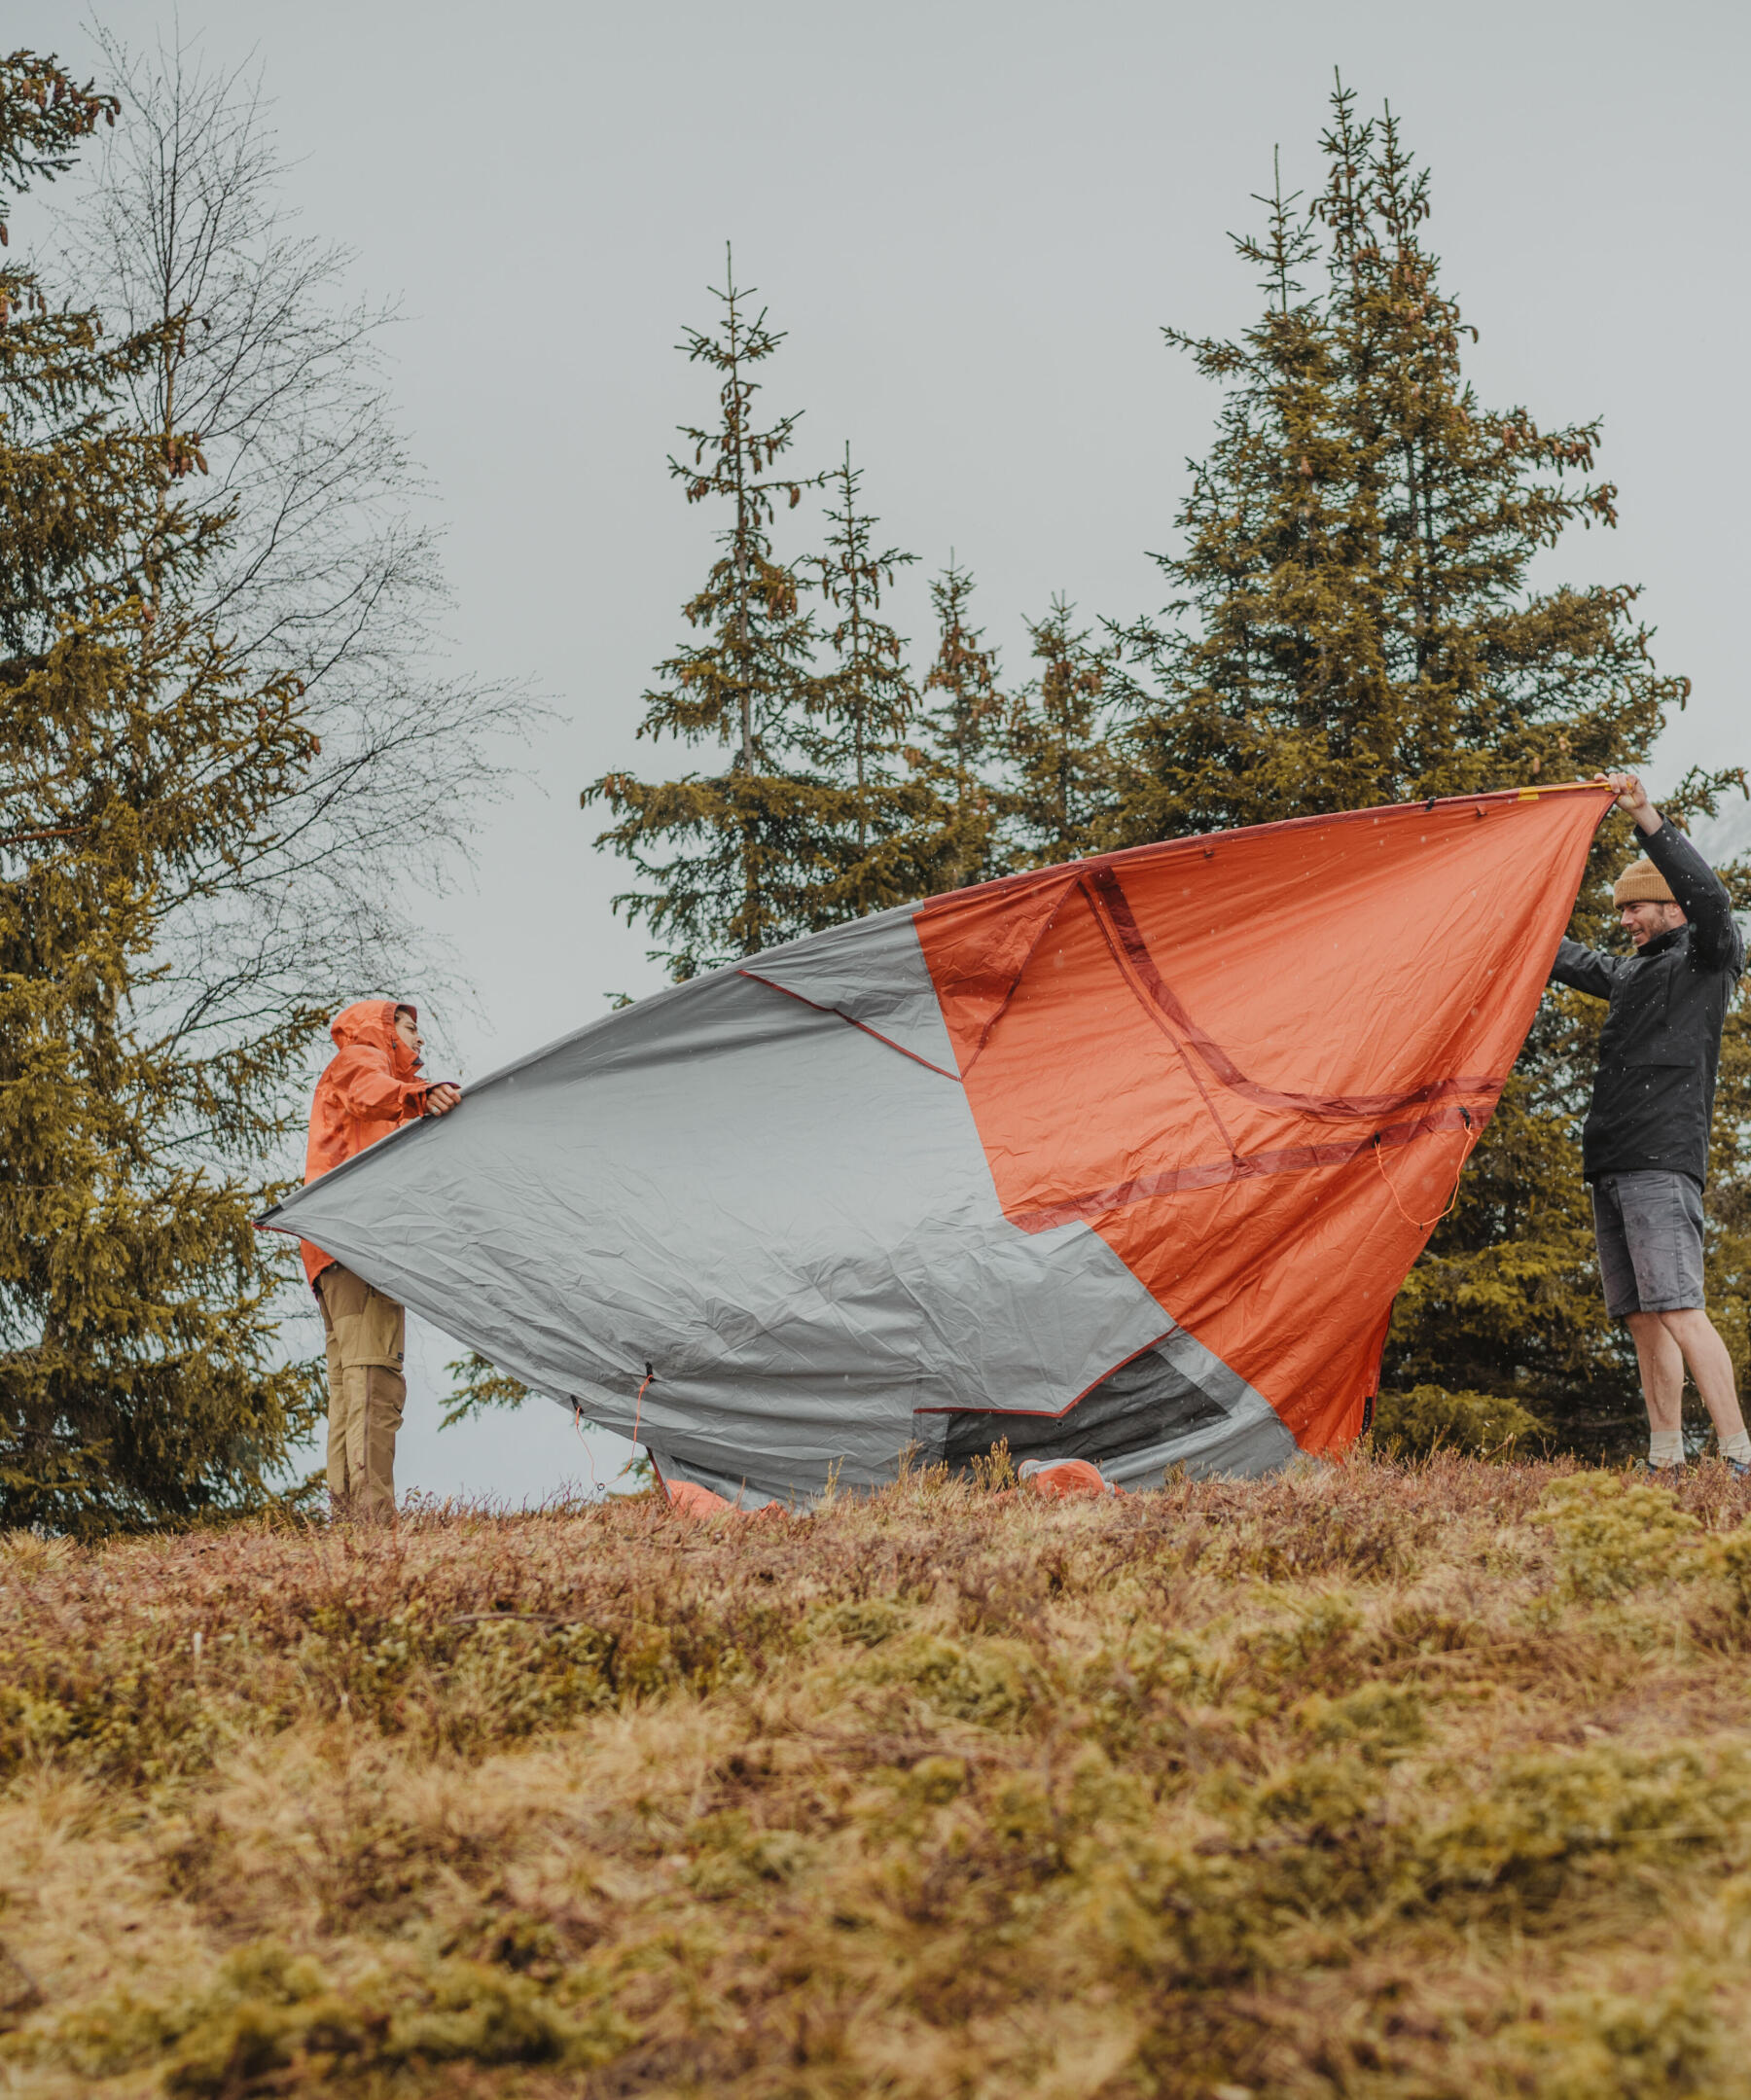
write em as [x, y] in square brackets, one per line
[1644, 1148]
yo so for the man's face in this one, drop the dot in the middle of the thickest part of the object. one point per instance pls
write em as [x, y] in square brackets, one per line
[1646, 920]
[408, 1028]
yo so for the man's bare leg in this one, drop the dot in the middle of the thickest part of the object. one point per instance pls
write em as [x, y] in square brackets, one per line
[1694, 1333]
[1661, 1357]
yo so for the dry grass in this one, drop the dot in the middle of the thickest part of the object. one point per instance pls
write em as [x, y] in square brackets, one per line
[1373, 1781]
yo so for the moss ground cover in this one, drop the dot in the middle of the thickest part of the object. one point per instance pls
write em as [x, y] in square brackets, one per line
[1375, 1780]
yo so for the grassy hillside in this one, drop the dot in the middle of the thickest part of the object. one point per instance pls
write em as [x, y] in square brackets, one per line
[1369, 1782]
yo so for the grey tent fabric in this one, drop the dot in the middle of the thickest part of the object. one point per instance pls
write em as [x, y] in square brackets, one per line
[873, 973]
[1195, 1411]
[772, 1194]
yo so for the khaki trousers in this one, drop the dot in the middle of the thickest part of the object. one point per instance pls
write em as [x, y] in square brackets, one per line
[366, 1338]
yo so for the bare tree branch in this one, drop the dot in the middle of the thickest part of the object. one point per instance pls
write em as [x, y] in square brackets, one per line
[273, 402]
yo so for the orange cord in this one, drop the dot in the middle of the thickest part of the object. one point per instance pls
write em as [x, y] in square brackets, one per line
[637, 1416]
[1426, 1225]
[596, 1485]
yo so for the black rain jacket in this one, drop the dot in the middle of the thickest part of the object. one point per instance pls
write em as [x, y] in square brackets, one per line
[1653, 1099]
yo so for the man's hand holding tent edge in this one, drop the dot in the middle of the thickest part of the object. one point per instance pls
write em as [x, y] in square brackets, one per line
[1631, 797]
[443, 1095]
[1645, 1143]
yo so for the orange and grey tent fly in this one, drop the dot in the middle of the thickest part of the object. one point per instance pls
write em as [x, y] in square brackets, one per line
[1123, 1160]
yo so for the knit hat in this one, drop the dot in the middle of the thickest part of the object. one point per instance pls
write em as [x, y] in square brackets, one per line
[1642, 883]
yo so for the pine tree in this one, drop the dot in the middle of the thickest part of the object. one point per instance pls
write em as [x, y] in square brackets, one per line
[862, 707]
[1063, 796]
[959, 746]
[743, 857]
[1351, 621]
[139, 1380]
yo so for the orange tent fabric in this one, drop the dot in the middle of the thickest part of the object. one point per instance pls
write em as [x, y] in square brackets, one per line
[1256, 1063]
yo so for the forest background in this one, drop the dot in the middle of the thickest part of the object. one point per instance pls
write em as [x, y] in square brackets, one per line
[977, 314]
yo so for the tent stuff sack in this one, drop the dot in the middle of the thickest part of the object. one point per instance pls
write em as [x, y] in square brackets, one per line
[1065, 1480]
[1121, 1161]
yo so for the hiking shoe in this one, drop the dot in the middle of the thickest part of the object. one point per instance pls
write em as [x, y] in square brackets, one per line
[1739, 1468]
[1647, 1469]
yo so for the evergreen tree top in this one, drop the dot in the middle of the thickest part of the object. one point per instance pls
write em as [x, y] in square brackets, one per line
[852, 572]
[733, 458]
[44, 115]
[1350, 618]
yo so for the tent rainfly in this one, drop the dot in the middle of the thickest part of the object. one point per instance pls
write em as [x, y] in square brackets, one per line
[1121, 1160]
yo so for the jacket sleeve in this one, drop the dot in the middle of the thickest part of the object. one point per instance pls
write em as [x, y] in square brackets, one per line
[368, 1089]
[1715, 937]
[1583, 969]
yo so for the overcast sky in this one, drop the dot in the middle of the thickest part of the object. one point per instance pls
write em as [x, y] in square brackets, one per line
[973, 220]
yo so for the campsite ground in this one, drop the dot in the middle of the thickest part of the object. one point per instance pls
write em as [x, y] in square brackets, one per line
[1372, 1781]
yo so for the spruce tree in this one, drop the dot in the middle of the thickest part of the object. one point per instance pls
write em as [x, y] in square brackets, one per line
[139, 1376]
[744, 856]
[1351, 620]
[862, 705]
[959, 745]
[1064, 773]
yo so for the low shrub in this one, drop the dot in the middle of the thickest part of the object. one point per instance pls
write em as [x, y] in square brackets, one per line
[1390, 1780]
[1473, 1425]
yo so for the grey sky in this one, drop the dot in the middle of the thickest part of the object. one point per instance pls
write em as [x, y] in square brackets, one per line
[973, 220]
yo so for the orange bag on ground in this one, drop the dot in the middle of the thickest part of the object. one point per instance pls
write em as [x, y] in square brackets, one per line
[688, 1498]
[1066, 1480]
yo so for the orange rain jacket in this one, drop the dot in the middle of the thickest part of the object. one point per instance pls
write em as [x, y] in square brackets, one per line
[370, 1088]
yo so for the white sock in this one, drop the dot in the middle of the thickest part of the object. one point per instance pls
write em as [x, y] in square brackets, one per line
[1738, 1447]
[1665, 1448]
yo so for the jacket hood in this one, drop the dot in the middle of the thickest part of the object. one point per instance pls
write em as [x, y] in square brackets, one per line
[369, 1024]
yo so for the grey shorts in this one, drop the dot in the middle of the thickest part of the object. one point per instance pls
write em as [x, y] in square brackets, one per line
[1648, 1227]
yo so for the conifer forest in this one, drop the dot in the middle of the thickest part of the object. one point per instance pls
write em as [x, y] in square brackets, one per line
[218, 712]
[1411, 1776]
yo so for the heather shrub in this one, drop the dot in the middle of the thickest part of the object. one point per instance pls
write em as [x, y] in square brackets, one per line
[1380, 1722]
[1613, 1537]
[1397, 1781]
[1731, 1557]
[1608, 2046]
[268, 2020]
[1547, 1822]
[986, 1682]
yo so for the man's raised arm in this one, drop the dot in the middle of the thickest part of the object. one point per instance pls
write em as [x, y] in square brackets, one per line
[1701, 895]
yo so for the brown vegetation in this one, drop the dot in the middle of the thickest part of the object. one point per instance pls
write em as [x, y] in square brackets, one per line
[1372, 1781]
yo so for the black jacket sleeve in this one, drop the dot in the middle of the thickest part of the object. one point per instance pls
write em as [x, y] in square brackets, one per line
[1715, 938]
[1583, 969]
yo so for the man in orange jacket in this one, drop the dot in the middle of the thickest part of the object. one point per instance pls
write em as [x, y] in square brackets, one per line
[370, 1087]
